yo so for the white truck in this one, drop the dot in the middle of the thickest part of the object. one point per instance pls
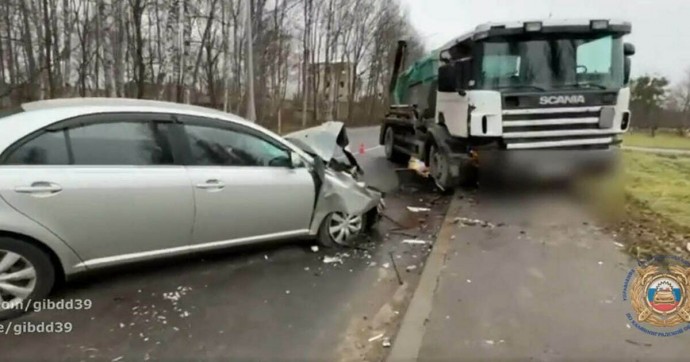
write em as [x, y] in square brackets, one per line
[550, 92]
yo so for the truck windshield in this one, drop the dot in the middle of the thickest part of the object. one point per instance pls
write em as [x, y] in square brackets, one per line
[552, 62]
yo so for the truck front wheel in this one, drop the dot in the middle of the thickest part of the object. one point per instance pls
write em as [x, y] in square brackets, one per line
[392, 154]
[439, 168]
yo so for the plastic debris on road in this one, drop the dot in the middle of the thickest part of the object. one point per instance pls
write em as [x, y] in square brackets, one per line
[418, 166]
[376, 337]
[473, 222]
[411, 267]
[386, 342]
[332, 259]
[314, 248]
[418, 209]
[415, 241]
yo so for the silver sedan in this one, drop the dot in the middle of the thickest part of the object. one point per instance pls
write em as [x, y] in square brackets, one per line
[90, 183]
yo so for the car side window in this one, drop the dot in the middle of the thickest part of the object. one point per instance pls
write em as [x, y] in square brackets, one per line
[48, 148]
[212, 146]
[121, 143]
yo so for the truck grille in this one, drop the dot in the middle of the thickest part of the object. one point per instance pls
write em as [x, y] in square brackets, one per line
[554, 128]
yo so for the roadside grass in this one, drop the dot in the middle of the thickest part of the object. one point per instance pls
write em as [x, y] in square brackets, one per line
[646, 204]
[663, 139]
[662, 182]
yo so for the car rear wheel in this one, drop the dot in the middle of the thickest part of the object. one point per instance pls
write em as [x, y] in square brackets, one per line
[339, 229]
[26, 275]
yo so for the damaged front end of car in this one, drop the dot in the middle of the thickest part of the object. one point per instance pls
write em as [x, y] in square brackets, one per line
[337, 176]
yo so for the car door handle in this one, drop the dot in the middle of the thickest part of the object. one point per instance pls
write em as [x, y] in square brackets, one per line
[40, 187]
[212, 184]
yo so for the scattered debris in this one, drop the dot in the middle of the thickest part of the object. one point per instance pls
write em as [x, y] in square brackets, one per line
[687, 246]
[452, 237]
[119, 358]
[265, 256]
[638, 343]
[619, 245]
[306, 268]
[400, 232]
[376, 337]
[418, 209]
[600, 263]
[386, 342]
[469, 280]
[473, 222]
[314, 248]
[628, 326]
[395, 267]
[372, 264]
[332, 259]
[415, 241]
[385, 265]
[287, 291]
[411, 268]
[489, 342]
[418, 166]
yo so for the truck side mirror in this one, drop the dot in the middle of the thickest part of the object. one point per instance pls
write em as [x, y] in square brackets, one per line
[463, 71]
[447, 79]
[628, 49]
[626, 70]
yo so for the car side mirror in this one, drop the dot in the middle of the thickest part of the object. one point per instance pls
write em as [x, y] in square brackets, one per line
[295, 160]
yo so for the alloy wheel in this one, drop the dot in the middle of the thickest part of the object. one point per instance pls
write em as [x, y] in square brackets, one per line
[343, 227]
[17, 279]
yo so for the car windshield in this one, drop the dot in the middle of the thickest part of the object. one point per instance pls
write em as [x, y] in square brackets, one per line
[552, 62]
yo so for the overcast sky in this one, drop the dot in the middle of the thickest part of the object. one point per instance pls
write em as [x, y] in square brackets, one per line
[661, 28]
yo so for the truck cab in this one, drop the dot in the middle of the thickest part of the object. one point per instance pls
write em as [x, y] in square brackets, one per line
[513, 90]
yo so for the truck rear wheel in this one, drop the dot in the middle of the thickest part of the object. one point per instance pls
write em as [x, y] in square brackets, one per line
[392, 154]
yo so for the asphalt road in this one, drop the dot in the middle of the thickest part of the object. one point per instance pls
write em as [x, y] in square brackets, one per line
[273, 302]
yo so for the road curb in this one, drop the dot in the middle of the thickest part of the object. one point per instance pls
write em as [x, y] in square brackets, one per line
[408, 341]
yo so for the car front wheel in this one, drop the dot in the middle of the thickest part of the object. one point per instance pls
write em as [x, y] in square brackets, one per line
[339, 229]
[26, 275]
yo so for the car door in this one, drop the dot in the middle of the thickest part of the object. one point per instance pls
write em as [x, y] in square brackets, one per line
[106, 184]
[244, 186]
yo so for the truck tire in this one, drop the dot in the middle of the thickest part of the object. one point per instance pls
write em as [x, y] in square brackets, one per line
[439, 169]
[24, 267]
[392, 154]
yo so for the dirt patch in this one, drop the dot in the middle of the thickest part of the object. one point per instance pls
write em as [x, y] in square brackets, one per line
[645, 233]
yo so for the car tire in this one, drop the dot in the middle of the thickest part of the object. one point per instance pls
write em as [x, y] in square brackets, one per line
[392, 154]
[20, 256]
[326, 237]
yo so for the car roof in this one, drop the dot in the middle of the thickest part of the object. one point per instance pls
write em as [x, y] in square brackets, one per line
[40, 114]
[116, 104]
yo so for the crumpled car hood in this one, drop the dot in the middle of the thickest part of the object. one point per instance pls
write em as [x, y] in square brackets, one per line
[323, 140]
[339, 189]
